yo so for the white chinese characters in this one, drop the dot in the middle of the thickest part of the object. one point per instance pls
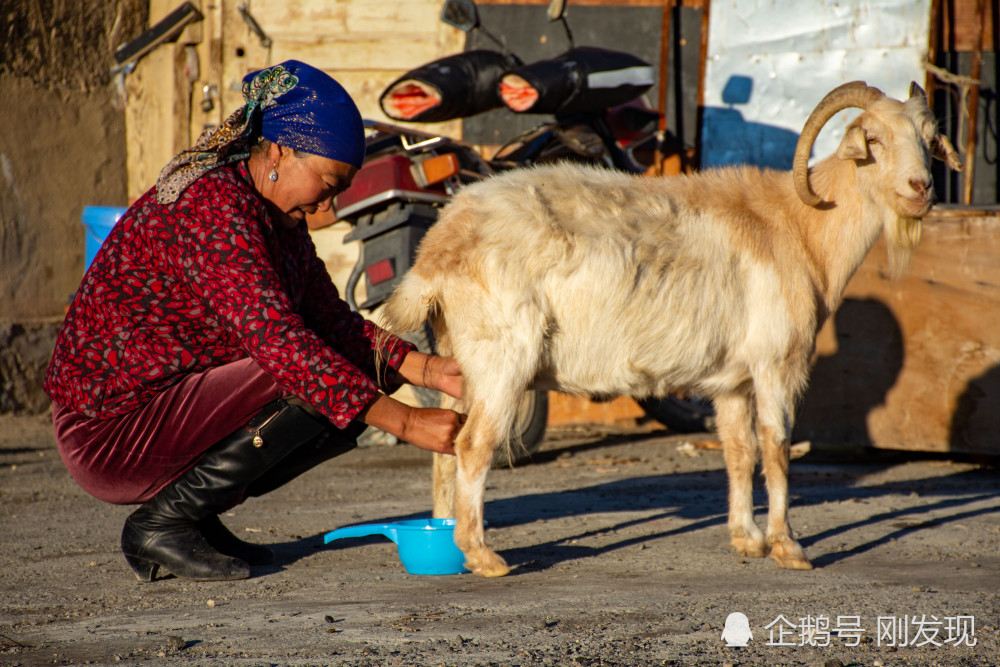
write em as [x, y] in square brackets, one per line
[821, 630]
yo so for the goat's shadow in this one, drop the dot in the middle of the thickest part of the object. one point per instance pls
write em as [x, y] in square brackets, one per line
[834, 410]
[696, 501]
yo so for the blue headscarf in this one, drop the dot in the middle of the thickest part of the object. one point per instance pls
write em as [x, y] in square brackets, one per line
[291, 104]
[315, 115]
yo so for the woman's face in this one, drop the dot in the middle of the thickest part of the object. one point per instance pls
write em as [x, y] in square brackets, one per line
[307, 185]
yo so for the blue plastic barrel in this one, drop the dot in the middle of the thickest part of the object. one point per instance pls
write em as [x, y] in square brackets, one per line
[98, 221]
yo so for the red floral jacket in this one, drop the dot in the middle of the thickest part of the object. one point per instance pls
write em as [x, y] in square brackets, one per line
[205, 281]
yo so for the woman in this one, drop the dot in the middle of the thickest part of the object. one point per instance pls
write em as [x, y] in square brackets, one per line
[208, 357]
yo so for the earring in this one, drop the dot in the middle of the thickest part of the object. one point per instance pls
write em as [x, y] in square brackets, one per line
[273, 176]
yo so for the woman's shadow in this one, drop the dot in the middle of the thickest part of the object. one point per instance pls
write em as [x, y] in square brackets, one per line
[846, 386]
[975, 423]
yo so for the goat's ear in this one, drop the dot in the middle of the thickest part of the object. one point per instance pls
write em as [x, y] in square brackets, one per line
[942, 149]
[854, 145]
[917, 91]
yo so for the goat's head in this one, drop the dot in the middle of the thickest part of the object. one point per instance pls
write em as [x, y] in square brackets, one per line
[896, 138]
[893, 142]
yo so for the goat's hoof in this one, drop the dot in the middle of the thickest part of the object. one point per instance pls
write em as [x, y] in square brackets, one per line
[751, 547]
[487, 564]
[490, 573]
[789, 555]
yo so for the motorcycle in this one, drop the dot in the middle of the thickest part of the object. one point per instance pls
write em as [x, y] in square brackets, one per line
[409, 174]
[594, 95]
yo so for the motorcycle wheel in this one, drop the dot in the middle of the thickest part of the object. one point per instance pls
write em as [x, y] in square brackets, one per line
[532, 413]
[681, 415]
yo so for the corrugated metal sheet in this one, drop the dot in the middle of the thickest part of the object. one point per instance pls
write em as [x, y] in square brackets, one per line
[771, 61]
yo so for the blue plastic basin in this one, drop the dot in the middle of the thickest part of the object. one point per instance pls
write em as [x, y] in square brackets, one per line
[425, 546]
[98, 221]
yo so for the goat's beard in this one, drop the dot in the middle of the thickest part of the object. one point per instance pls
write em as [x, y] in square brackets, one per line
[902, 235]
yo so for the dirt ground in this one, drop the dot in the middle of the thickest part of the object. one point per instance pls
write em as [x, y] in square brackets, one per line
[617, 536]
[619, 545]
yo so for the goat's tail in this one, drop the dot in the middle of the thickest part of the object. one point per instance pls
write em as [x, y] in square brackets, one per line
[410, 305]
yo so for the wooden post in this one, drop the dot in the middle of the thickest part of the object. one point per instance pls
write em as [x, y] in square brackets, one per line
[975, 71]
[933, 42]
[668, 9]
[706, 8]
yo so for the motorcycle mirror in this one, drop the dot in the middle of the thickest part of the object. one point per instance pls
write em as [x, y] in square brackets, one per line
[461, 14]
[464, 15]
[557, 12]
[556, 9]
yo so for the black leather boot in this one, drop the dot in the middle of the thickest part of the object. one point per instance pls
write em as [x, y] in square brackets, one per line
[164, 531]
[331, 444]
[222, 540]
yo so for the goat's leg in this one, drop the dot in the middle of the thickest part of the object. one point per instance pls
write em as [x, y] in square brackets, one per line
[773, 420]
[497, 364]
[474, 446]
[443, 474]
[445, 466]
[733, 419]
[443, 477]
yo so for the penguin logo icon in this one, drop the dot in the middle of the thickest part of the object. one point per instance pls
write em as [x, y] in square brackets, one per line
[737, 630]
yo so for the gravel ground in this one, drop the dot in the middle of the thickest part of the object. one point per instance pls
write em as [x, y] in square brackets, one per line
[619, 545]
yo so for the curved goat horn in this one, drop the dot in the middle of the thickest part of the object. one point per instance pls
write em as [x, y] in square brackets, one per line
[853, 94]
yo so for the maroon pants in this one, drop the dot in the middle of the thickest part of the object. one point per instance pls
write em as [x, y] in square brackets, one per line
[128, 459]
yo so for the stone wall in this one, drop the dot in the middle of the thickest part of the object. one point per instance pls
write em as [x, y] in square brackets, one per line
[62, 147]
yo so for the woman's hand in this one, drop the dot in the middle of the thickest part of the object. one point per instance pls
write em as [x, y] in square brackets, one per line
[432, 372]
[448, 375]
[433, 429]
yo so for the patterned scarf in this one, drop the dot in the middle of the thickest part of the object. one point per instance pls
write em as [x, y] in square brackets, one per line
[292, 104]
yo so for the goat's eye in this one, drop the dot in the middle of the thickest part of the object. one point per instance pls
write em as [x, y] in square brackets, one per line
[874, 140]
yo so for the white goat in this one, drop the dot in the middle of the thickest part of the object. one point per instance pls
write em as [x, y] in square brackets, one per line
[595, 282]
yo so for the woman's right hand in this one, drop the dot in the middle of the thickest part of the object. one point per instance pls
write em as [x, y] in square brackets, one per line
[433, 429]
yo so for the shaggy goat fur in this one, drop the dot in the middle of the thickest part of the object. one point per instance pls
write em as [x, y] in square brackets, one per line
[601, 283]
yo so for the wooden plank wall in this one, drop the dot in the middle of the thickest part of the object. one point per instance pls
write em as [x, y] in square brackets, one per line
[914, 364]
[909, 364]
[363, 44]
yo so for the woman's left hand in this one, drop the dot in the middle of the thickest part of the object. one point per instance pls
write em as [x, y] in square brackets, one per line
[433, 372]
[449, 376]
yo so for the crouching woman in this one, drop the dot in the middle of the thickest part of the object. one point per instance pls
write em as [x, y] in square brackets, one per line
[207, 356]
